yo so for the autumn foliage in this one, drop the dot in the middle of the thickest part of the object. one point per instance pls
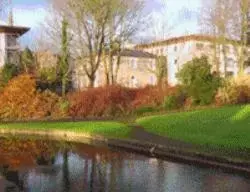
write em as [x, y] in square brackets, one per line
[102, 101]
[234, 91]
[20, 100]
[114, 100]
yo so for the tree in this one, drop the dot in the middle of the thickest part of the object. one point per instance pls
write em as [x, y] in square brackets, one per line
[160, 69]
[89, 22]
[27, 60]
[241, 24]
[227, 21]
[64, 58]
[8, 72]
[197, 79]
[125, 20]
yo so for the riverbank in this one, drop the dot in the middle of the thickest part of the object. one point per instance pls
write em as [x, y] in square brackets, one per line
[109, 129]
[147, 144]
[211, 137]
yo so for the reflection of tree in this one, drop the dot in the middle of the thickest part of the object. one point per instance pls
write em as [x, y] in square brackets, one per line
[28, 152]
[92, 174]
[160, 178]
[13, 177]
[66, 181]
[112, 175]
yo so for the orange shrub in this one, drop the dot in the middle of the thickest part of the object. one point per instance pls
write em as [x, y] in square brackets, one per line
[19, 100]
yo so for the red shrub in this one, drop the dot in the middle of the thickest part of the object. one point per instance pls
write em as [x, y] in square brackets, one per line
[114, 100]
[102, 101]
[150, 96]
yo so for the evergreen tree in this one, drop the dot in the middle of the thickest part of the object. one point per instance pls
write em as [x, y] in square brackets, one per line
[27, 60]
[64, 57]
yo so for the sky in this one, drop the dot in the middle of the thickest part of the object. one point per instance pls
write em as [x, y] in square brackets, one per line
[181, 15]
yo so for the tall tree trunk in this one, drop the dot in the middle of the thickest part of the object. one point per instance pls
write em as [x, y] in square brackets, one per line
[224, 53]
[91, 81]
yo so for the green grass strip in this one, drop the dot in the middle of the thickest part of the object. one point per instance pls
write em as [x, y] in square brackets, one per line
[227, 127]
[107, 129]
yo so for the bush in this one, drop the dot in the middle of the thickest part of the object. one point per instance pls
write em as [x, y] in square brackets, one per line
[49, 104]
[116, 100]
[100, 102]
[197, 79]
[8, 72]
[144, 109]
[150, 96]
[19, 100]
[175, 100]
[234, 91]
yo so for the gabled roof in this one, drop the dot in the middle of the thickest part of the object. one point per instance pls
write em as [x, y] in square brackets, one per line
[175, 40]
[136, 53]
[13, 29]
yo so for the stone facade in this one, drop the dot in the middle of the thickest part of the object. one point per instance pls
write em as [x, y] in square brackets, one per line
[135, 71]
[182, 49]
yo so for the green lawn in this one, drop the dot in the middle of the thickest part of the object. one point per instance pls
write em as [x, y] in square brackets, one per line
[227, 127]
[107, 129]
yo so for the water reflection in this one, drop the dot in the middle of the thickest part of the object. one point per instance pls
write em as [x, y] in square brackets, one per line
[48, 166]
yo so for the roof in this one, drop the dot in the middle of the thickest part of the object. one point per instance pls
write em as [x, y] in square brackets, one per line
[136, 53]
[175, 40]
[13, 29]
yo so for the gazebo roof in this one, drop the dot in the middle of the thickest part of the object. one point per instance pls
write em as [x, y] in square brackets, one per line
[13, 29]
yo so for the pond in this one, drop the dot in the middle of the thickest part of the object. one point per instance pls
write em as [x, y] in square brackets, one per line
[48, 166]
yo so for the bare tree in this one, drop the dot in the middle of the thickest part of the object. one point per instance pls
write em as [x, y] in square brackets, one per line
[126, 19]
[90, 19]
[239, 30]
[226, 20]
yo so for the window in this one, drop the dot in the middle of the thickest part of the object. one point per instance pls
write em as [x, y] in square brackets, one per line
[162, 51]
[199, 46]
[175, 61]
[166, 50]
[229, 74]
[11, 40]
[230, 62]
[133, 82]
[227, 49]
[133, 64]
[12, 57]
[175, 48]
[157, 52]
[151, 65]
[151, 80]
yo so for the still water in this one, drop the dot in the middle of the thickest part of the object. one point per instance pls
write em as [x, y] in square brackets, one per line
[46, 166]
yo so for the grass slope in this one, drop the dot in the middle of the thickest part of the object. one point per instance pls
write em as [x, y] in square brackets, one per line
[107, 129]
[227, 127]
